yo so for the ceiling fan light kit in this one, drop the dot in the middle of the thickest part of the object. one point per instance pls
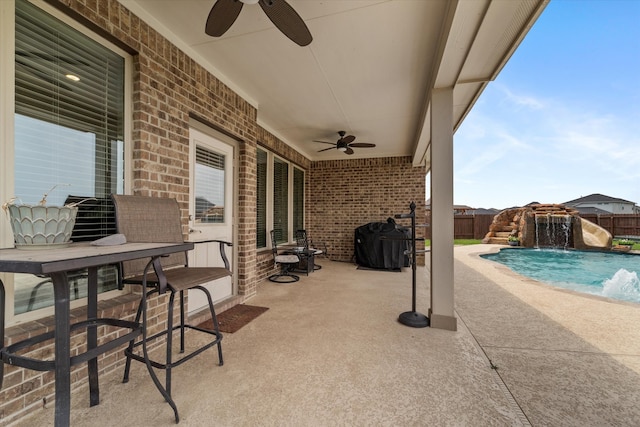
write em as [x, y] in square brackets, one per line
[345, 144]
[225, 12]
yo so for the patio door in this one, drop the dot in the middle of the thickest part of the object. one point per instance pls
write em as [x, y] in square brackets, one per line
[211, 214]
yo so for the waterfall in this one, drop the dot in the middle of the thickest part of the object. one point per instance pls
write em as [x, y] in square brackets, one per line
[553, 231]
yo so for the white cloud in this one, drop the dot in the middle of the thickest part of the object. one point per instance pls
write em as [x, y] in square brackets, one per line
[520, 100]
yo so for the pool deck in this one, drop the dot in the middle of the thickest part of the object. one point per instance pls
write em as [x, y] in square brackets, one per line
[567, 358]
[329, 352]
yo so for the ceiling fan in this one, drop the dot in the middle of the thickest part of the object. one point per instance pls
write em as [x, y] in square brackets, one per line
[345, 144]
[225, 12]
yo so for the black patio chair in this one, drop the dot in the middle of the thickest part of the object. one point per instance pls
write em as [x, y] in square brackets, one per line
[154, 219]
[287, 261]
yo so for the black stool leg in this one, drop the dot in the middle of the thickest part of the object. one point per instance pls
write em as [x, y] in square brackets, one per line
[129, 351]
[216, 325]
[181, 321]
[167, 367]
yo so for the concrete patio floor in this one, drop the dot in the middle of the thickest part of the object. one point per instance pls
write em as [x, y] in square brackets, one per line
[329, 352]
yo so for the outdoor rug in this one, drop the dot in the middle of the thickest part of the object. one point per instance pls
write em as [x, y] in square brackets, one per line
[393, 270]
[235, 318]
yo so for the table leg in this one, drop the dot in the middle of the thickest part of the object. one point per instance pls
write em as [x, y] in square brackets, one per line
[92, 335]
[62, 349]
[310, 263]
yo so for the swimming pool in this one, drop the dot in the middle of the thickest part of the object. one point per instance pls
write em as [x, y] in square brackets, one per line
[609, 274]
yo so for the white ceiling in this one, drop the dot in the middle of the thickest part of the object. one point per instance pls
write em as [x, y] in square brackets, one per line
[368, 71]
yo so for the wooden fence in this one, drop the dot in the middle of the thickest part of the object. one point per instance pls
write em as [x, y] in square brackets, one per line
[477, 226]
[466, 226]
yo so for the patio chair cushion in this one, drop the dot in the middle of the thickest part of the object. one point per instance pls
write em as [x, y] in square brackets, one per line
[287, 259]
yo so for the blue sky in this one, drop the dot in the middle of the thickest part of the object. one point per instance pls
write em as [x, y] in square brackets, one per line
[562, 120]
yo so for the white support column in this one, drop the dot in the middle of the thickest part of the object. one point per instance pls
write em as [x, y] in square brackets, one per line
[441, 313]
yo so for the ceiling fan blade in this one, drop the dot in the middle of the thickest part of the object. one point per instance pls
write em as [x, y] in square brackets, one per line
[222, 16]
[349, 151]
[347, 139]
[325, 142]
[362, 145]
[325, 149]
[287, 20]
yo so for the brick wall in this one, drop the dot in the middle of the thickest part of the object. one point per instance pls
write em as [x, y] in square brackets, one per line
[345, 194]
[169, 88]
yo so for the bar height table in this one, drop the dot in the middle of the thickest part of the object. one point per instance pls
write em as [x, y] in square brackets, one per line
[55, 263]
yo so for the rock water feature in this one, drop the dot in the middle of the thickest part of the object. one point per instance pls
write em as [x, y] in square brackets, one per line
[553, 231]
[547, 226]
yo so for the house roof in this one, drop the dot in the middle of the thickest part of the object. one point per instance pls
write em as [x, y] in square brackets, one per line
[370, 70]
[597, 198]
[484, 211]
[463, 208]
[591, 210]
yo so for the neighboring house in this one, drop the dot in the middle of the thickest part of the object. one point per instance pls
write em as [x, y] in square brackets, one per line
[483, 211]
[592, 211]
[462, 210]
[457, 209]
[139, 111]
[604, 203]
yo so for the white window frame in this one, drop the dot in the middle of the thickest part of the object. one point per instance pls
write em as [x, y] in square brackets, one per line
[270, 198]
[7, 112]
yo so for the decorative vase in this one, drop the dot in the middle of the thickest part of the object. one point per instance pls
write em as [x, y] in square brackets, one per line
[513, 243]
[38, 227]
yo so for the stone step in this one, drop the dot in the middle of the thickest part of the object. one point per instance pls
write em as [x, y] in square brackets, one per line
[502, 234]
[498, 241]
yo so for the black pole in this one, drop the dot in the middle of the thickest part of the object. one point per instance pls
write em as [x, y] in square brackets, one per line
[413, 318]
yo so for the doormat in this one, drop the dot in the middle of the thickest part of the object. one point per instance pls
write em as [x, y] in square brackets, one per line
[393, 270]
[235, 318]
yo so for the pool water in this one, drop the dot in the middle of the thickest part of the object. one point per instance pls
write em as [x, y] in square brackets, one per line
[609, 274]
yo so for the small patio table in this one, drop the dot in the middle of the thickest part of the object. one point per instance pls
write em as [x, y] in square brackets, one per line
[55, 263]
[307, 255]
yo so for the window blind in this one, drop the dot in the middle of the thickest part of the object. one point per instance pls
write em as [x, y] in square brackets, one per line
[261, 205]
[209, 186]
[67, 131]
[281, 200]
[298, 199]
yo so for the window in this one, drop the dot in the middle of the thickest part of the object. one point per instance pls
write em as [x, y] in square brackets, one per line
[69, 127]
[262, 199]
[298, 199]
[281, 200]
[209, 186]
[280, 205]
[69, 109]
